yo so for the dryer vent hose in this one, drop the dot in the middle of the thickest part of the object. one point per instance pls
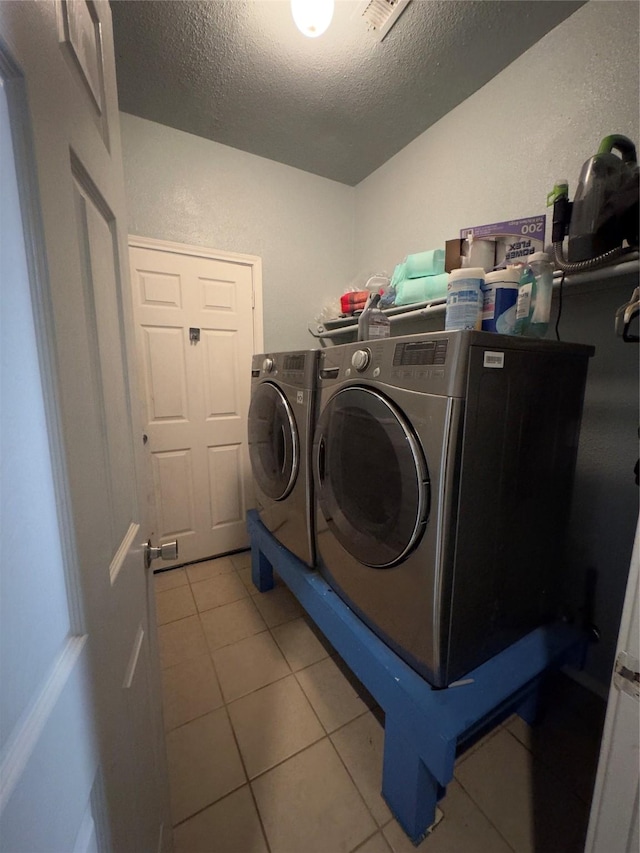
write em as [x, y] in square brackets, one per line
[584, 266]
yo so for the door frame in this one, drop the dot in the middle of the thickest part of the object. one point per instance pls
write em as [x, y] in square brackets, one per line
[254, 262]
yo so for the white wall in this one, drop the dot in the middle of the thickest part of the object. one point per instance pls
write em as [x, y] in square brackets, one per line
[498, 154]
[495, 157]
[187, 189]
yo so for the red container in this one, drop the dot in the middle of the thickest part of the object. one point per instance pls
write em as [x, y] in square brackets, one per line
[353, 301]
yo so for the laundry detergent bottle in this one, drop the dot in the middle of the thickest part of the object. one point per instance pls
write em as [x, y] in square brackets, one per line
[524, 305]
[534, 296]
[373, 323]
[379, 323]
[542, 269]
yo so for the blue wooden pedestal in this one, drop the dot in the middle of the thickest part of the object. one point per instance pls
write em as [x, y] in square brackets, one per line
[423, 726]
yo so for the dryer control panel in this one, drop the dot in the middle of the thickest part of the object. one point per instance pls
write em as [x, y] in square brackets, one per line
[422, 352]
[425, 363]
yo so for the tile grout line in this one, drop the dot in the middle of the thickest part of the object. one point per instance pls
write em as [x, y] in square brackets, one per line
[327, 734]
[291, 670]
[246, 774]
[262, 826]
[379, 829]
[224, 705]
[486, 738]
[301, 688]
[233, 732]
[540, 761]
[355, 785]
[209, 805]
[368, 838]
[293, 673]
[233, 643]
[489, 820]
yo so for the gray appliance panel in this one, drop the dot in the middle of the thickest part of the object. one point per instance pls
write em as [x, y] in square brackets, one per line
[292, 520]
[488, 568]
[520, 442]
[435, 363]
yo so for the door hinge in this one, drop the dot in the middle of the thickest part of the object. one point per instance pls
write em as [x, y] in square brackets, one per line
[626, 674]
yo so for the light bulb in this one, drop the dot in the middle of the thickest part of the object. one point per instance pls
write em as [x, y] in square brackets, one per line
[312, 17]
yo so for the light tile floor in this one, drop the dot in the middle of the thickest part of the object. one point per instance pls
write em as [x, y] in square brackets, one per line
[274, 747]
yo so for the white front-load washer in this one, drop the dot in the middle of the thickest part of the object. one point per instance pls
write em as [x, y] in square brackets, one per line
[280, 425]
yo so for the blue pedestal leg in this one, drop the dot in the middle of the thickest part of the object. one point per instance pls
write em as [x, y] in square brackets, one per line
[529, 708]
[261, 570]
[407, 785]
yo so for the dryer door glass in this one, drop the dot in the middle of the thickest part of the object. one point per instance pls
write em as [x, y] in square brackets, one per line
[274, 448]
[371, 475]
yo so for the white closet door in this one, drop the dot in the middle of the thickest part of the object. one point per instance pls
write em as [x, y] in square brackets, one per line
[195, 325]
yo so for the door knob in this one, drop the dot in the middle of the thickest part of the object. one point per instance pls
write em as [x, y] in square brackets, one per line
[166, 551]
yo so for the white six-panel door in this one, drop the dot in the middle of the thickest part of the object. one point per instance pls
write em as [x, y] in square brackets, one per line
[198, 324]
[81, 750]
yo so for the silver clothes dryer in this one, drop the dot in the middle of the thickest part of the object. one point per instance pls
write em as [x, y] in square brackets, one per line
[443, 466]
[280, 425]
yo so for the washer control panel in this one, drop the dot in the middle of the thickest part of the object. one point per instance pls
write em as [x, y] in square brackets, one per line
[295, 369]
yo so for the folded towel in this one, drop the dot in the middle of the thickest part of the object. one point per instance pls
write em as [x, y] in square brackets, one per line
[398, 274]
[421, 289]
[424, 263]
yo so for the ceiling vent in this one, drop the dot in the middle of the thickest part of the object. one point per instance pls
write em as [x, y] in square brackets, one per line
[380, 15]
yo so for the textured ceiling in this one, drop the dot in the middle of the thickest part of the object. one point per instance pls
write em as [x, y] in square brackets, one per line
[340, 105]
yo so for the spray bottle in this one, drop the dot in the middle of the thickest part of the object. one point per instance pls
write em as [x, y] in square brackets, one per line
[542, 269]
[373, 323]
[526, 301]
[534, 296]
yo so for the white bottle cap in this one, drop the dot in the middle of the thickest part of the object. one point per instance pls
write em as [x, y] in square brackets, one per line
[467, 272]
[510, 274]
[539, 256]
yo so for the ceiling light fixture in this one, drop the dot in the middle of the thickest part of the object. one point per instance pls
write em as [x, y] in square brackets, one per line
[312, 17]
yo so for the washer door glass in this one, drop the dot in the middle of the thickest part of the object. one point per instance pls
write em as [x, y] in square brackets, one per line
[273, 441]
[371, 477]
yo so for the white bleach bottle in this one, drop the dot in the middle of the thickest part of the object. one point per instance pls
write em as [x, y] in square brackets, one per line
[464, 299]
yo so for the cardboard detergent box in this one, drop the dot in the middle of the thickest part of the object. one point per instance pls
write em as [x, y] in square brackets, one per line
[514, 239]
